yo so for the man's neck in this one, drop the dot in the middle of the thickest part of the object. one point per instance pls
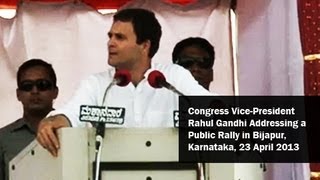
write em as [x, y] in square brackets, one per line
[34, 118]
[137, 73]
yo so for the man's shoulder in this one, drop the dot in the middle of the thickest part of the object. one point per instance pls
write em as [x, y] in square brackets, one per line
[169, 66]
[6, 130]
[182, 79]
[107, 73]
[104, 75]
[170, 69]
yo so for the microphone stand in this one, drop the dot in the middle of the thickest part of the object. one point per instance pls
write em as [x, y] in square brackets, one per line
[100, 131]
[199, 164]
[121, 78]
[157, 80]
[99, 141]
[175, 90]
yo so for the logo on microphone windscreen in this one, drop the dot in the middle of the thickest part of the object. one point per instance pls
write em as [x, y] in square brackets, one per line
[111, 115]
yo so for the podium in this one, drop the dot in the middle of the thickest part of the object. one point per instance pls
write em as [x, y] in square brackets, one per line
[127, 153]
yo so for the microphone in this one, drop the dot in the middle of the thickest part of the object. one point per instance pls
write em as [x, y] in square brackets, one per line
[157, 80]
[100, 115]
[121, 78]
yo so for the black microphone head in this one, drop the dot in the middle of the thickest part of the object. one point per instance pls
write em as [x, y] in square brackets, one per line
[156, 79]
[123, 77]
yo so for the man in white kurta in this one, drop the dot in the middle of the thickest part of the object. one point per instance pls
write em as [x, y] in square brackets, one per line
[133, 40]
[144, 105]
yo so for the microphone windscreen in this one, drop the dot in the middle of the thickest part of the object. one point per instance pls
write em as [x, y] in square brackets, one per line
[123, 77]
[156, 78]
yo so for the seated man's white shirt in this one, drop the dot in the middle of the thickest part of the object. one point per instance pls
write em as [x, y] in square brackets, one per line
[144, 105]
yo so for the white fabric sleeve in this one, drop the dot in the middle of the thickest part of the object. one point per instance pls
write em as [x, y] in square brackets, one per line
[86, 94]
[183, 80]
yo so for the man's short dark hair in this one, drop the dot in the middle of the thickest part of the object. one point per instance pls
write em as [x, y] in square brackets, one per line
[145, 25]
[196, 42]
[37, 62]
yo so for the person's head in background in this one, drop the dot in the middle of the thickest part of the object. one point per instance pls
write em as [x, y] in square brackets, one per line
[37, 89]
[197, 55]
[133, 39]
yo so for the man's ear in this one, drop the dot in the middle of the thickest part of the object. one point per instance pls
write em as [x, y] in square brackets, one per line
[56, 92]
[18, 94]
[146, 46]
[211, 75]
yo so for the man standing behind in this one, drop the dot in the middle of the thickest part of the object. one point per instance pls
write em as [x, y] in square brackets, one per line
[197, 55]
[36, 91]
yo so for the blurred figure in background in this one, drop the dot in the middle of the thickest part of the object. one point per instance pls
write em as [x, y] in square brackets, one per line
[197, 55]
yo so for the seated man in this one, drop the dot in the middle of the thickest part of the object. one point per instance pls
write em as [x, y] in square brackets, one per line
[36, 91]
[197, 55]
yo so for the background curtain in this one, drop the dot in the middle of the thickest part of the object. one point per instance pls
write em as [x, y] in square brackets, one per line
[270, 57]
[309, 21]
[73, 37]
[271, 62]
[309, 18]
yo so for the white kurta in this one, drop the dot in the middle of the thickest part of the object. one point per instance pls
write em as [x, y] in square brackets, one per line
[144, 105]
